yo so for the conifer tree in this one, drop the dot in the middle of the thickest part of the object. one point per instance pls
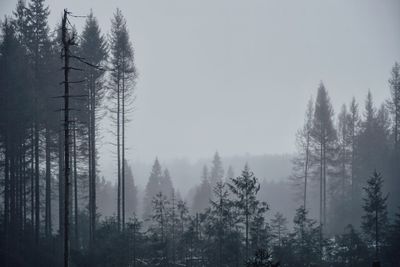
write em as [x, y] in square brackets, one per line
[394, 102]
[375, 218]
[123, 80]
[166, 185]
[279, 228]
[203, 194]
[305, 239]
[303, 162]
[245, 188]
[38, 47]
[354, 128]
[93, 48]
[324, 138]
[131, 192]
[217, 171]
[152, 188]
[354, 250]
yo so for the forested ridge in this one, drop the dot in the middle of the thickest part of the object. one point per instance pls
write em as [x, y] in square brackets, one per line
[346, 170]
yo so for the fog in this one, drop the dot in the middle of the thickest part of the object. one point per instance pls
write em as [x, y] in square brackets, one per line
[199, 133]
[235, 76]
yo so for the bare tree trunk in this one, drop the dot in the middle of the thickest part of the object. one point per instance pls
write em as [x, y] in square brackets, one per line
[61, 183]
[324, 160]
[123, 150]
[66, 44]
[320, 199]
[24, 200]
[306, 169]
[93, 157]
[48, 185]
[32, 182]
[90, 150]
[6, 191]
[37, 188]
[118, 157]
[75, 189]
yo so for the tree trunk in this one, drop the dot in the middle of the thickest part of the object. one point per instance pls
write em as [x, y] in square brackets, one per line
[123, 150]
[48, 185]
[75, 190]
[118, 157]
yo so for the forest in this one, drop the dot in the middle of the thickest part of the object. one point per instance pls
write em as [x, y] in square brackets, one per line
[57, 209]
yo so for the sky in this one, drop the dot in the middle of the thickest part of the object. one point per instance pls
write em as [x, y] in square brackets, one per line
[235, 76]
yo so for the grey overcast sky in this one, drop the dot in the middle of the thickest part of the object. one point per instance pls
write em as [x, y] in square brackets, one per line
[235, 76]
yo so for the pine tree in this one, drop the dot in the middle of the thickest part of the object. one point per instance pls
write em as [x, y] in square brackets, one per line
[303, 162]
[245, 188]
[353, 250]
[224, 249]
[152, 188]
[340, 186]
[131, 192]
[93, 48]
[166, 184]
[38, 47]
[203, 194]
[324, 137]
[123, 80]
[14, 127]
[279, 228]
[394, 102]
[159, 228]
[354, 128]
[394, 241]
[305, 239]
[217, 171]
[230, 173]
[373, 144]
[375, 220]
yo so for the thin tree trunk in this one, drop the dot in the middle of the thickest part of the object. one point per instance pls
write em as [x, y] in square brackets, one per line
[90, 161]
[66, 44]
[32, 181]
[6, 191]
[75, 190]
[48, 186]
[118, 157]
[320, 200]
[24, 189]
[93, 156]
[37, 188]
[61, 184]
[306, 169]
[123, 150]
[324, 186]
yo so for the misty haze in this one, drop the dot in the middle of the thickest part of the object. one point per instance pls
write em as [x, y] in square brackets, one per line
[200, 133]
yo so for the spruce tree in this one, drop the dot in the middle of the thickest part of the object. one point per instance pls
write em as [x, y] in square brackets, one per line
[324, 138]
[303, 161]
[166, 185]
[305, 239]
[123, 80]
[354, 128]
[131, 192]
[245, 188]
[38, 47]
[217, 171]
[203, 194]
[375, 218]
[93, 48]
[152, 188]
